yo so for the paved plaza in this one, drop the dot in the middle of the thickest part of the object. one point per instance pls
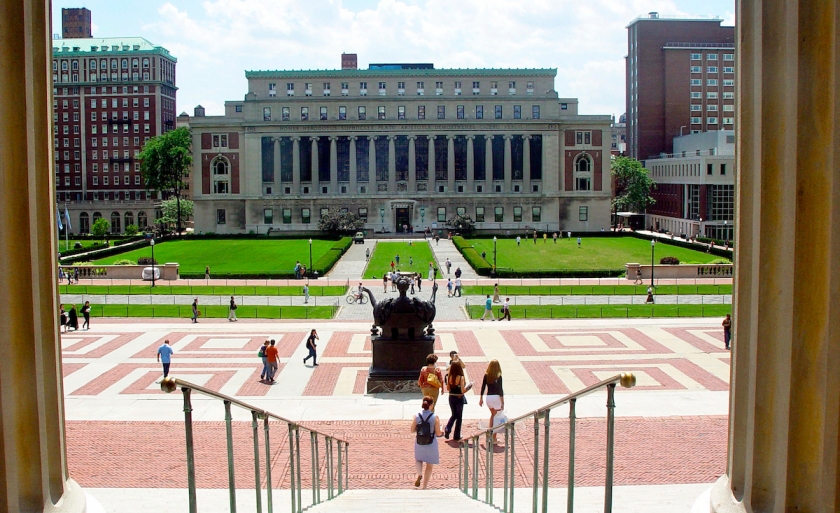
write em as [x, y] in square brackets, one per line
[124, 435]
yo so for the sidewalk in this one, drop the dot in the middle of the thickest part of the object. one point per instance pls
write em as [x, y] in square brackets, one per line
[352, 265]
[446, 249]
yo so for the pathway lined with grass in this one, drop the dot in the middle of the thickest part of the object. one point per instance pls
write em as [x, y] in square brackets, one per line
[212, 311]
[605, 311]
[414, 257]
[201, 290]
[602, 290]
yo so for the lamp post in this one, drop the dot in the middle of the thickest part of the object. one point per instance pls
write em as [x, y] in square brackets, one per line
[310, 255]
[494, 255]
[152, 244]
[652, 246]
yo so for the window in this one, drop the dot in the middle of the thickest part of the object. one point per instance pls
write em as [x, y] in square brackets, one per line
[266, 113]
[728, 121]
[324, 212]
[304, 113]
[723, 169]
[499, 214]
[728, 82]
[239, 108]
[342, 113]
[221, 174]
[220, 216]
[583, 178]
[517, 112]
[363, 88]
[476, 87]
[535, 112]
[696, 69]
[583, 214]
[583, 137]
[712, 108]
[696, 82]
[497, 111]
[729, 56]
[711, 56]
[729, 70]
[326, 87]
[362, 113]
[268, 216]
[711, 121]
[401, 112]
[145, 102]
[285, 114]
[439, 87]
[696, 121]
[307, 88]
[712, 82]
[536, 214]
[459, 112]
[711, 95]
[104, 180]
[696, 108]
[441, 112]
[696, 56]
[380, 112]
[322, 114]
[95, 180]
[479, 214]
[441, 214]
[272, 89]
[421, 86]
[712, 69]
[305, 216]
[709, 169]
[728, 96]
[382, 86]
[400, 85]
[517, 214]
[421, 112]
[696, 95]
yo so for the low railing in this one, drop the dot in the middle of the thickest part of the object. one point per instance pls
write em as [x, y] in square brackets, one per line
[336, 474]
[469, 465]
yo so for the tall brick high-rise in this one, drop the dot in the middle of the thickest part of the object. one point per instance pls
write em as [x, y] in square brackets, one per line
[76, 23]
[680, 79]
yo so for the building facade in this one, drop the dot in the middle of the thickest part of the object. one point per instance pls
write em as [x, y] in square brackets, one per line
[680, 79]
[404, 148]
[76, 23]
[110, 96]
[695, 186]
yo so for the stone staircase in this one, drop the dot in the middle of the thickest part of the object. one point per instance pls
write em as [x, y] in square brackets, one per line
[402, 501]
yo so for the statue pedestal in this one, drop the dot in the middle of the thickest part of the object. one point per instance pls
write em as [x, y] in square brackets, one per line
[396, 364]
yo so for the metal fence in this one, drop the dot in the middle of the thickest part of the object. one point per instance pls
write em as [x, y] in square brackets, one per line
[471, 462]
[199, 290]
[216, 312]
[605, 311]
[335, 461]
[322, 282]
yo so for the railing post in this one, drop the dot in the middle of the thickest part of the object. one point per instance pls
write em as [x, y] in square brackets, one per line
[338, 474]
[292, 468]
[190, 450]
[346, 466]
[316, 469]
[488, 477]
[536, 484]
[329, 454]
[610, 447]
[546, 427]
[255, 428]
[512, 450]
[570, 495]
[269, 500]
[231, 478]
[508, 468]
[475, 468]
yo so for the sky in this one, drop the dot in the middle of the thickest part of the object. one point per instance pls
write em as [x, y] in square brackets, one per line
[215, 41]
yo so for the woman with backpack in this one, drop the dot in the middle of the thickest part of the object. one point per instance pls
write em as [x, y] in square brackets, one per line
[426, 426]
[495, 394]
[431, 380]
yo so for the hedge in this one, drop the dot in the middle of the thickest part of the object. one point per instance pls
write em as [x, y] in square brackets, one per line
[480, 265]
[96, 254]
[717, 250]
[504, 272]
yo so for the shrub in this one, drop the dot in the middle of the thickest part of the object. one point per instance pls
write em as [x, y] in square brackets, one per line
[125, 261]
[131, 230]
[720, 261]
[326, 262]
[481, 266]
[669, 260]
[145, 261]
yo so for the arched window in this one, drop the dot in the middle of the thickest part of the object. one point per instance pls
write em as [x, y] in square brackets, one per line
[84, 223]
[115, 222]
[221, 176]
[129, 218]
[134, 63]
[97, 215]
[142, 220]
[583, 174]
[125, 63]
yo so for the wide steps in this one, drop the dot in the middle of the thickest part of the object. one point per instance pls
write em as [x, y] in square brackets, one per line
[402, 501]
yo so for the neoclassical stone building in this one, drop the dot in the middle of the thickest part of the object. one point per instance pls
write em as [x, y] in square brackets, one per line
[401, 146]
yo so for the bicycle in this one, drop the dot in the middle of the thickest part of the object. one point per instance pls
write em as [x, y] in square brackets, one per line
[356, 298]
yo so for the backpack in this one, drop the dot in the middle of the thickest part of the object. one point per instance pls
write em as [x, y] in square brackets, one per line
[425, 436]
[261, 352]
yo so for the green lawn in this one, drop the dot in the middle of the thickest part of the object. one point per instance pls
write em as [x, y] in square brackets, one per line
[414, 258]
[594, 253]
[225, 256]
[601, 290]
[201, 290]
[214, 311]
[605, 311]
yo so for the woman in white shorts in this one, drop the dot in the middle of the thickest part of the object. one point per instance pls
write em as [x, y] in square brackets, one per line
[495, 394]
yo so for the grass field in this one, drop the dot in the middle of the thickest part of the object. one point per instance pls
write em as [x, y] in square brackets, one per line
[214, 312]
[225, 256]
[414, 258]
[594, 253]
[605, 311]
[601, 290]
[201, 290]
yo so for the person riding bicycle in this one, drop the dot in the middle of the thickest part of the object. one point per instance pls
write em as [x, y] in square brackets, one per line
[358, 295]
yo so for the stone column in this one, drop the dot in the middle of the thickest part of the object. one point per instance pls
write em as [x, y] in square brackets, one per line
[392, 164]
[785, 390]
[354, 189]
[488, 163]
[296, 171]
[526, 163]
[470, 164]
[450, 163]
[333, 165]
[431, 182]
[508, 166]
[412, 165]
[372, 164]
[316, 178]
[33, 467]
[278, 178]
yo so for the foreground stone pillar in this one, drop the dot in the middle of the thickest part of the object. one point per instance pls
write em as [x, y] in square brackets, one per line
[785, 399]
[33, 468]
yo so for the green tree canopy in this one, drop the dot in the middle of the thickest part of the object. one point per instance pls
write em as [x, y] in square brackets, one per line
[100, 228]
[632, 185]
[173, 209]
[165, 163]
[336, 221]
[461, 222]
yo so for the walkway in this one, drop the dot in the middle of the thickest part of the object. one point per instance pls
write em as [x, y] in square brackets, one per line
[352, 265]
[444, 249]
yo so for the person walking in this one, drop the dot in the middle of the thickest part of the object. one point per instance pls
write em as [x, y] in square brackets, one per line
[419, 281]
[397, 259]
[649, 296]
[232, 310]
[306, 293]
[412, 279]
[518, 240]
[488, 308]
[437, 240]
[431, 380]
[545, 238]
[638, 280]
[195, 311]
[62, 318]
[410, 259]
[271, 354]
[458, 286]
[457, 272]
[297, 269]
[367, 255]
[394, 281]
[506, 309]
[492, 383]
[727, 330]
[555, 237]
[86, 314]
[448, 265]
[426, 425]
[72, 319]
[385, 283]
[393, 266]
[535, 237]
[456, 383]
[164, 356]
[578, 241]
[264, 359]
[431, 271]
[449, 287]
[496, 297]
[311, 346]
[207, 273]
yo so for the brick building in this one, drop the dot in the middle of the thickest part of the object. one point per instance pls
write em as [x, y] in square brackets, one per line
[76, 23]
[680, 79]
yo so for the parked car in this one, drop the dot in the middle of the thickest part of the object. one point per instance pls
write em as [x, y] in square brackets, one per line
[359, 238]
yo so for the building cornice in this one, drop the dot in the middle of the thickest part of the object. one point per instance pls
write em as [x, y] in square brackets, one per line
[368, 73]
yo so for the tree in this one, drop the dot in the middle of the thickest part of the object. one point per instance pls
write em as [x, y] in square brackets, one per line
[100, 228]
[461, 222]
[174, 210]
[632, 185]
[336, 221]
[165, 164]
[131, 230]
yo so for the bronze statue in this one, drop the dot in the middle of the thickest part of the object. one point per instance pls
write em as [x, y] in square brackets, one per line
[403, 317]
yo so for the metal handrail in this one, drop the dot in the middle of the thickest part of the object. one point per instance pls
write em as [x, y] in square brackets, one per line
[337, 475]
[470, 462]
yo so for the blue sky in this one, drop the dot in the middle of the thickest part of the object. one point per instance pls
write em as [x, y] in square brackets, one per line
[215, 41]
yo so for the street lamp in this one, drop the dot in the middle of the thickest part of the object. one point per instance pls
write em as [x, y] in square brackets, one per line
[652, 245]
[494, 255]
[152, 243]
[310, 255]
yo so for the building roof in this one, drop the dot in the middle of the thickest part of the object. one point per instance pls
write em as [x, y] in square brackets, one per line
[351, 73]
[103, 45]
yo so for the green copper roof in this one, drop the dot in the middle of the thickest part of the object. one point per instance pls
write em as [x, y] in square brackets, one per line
[450, 72]
[105, 46]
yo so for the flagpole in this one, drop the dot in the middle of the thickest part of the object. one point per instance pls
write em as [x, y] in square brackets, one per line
[66, 228]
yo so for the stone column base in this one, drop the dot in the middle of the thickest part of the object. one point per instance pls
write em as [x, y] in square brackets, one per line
[722, 500]
[74, 500]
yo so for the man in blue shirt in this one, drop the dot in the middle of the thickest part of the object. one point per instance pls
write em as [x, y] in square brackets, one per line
[488, 309]
[164, 356]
